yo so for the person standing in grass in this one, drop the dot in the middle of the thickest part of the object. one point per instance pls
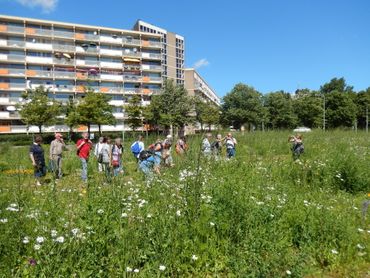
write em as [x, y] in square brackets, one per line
[38, 159]
[217, 146]
[297, 146]
[117, 151]
[206, 145]
[181, 146]
[56, 149]
[166, 153]
[157, 150]
[230, 143]
[97, 151]
[106, 158]
[137, 147]
[84, 146]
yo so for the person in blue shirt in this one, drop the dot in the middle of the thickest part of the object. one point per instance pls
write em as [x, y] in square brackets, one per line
[38, 159]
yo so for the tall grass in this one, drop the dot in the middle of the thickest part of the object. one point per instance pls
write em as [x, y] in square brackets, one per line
[259, 215]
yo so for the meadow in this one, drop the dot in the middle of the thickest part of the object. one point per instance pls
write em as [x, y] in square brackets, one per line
[259, 215]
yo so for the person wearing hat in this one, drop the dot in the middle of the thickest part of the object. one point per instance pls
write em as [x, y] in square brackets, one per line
[56, 149]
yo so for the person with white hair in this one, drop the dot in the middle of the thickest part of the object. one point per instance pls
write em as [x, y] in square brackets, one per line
[97, 150]
[166, 152]
[56, 148]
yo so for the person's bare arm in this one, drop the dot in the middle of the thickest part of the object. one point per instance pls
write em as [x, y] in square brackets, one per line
[33, 159]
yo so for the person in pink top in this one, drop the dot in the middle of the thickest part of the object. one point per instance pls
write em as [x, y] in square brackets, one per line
[84, 145]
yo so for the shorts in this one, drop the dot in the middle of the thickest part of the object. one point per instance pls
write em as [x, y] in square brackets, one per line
[39, 171]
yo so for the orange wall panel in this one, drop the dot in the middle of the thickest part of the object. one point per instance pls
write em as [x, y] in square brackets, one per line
[79, 36]
[4, 128]
[3, 28]
[30, 31]
[4, 86]
[30, 72]
[4, 71]
[146, 78]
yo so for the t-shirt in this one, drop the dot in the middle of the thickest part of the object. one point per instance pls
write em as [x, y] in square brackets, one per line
[105, 149]
[56, 147]
[230, 143]
[116, 153]
[38, 154]
[85, 149]
[206, 146]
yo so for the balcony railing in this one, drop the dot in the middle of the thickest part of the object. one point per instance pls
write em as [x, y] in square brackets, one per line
[131, 54]
[64, 34]
[61, 88]
[15, 29]
[13, 57]
[19, 72]
[15, 43]
[132, 78]
[61, 47]
[42, 32]
[63, 61]
[131, 41]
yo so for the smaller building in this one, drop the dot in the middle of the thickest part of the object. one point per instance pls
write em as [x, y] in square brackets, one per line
[197, 86]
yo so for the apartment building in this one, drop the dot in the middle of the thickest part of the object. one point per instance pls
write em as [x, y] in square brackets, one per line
[66, 58]
[173, 49]
[197, 86]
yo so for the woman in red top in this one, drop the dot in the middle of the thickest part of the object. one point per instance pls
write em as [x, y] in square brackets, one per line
[84, 145]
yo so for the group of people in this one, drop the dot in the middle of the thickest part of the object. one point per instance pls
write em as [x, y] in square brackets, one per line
[149, 161]
[215, 148]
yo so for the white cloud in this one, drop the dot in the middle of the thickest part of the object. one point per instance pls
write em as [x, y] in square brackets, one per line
[47, 6]
[201, 63]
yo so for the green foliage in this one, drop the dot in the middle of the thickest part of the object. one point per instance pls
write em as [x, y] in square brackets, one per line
[206, 113]
[134, 112]
[363, 105]
[243, 105]
[340, 110]
[37, 109]
[94, 108]
[308, 106]
[280, 110]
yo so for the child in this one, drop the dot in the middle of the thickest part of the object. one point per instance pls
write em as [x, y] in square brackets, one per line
[297, 145]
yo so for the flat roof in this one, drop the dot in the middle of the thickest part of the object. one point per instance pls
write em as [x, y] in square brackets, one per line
[66, 24]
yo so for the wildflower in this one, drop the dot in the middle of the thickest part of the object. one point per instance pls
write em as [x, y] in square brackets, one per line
[124, 214]
[194, 257]
[12, 208]
[178, 213]
[60, 239]
[100, 211]
[149, 215]
[26, 240]
[128, 269]
[259, 203]
[37, 247]
[162, 268]
[335, 252]
[359, 246]
[40, 239]
[53, 233]
[4, 220]
[272, 216]
[360, 230]
[32, 262]
[288, 272]
[136, 270]
[211, 223]
[75, 231]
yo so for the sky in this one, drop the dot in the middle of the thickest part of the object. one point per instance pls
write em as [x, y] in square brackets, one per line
[270, 45]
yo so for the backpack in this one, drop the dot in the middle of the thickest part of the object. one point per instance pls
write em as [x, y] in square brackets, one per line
[135, 148]
[144, 155]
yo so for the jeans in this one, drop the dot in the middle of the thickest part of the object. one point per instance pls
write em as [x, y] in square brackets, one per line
[230, 152]
[107, 171]
[39, 171]
[84, 168]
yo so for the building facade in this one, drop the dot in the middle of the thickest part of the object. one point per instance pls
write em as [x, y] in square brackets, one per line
[197, 86]
[67, 58]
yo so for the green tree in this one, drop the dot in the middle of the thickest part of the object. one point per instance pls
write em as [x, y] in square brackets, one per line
[72, 116]
[134, 112]
[340, 105]
[38, 109]
[206, 113]
[280, 110]
[94, 108]
[243, 105]
[308, 106]
[171, 108]
[363, 106]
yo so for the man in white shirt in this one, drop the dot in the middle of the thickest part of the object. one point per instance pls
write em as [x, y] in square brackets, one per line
[98, 148]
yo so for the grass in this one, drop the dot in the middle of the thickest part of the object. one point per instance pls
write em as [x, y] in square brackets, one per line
[259, 215]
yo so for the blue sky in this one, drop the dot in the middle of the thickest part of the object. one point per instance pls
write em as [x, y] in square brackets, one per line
[268, 44]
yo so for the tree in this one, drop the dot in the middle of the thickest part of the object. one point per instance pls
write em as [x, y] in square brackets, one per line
[243, 105]
[134, 112]
[72, 116]
[339, 103]
[280, 110]
[206, 113]
[171, 108]
[37, 109]
[94, 108]
[308, 106]
[363, 106]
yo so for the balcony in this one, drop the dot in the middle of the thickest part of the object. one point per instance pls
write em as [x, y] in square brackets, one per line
[113, 77]
[110, 39]
[89, 37]
[12, 72]
[11, 29]
[63, 61]
[12, 43]
[111, 90]
[146, 43]
[111, 52]
[39, 32]
[64, 74]
[132, 78]
[133, 91]
[87, 63]
[64, 88]
[131, 41]
[39, 46]
[152, 79]
[151, 67]
[39, 73]
[131, 54]
[12, 86]
[62, 47]
[152, 55]
[111, 65]
[64, 34]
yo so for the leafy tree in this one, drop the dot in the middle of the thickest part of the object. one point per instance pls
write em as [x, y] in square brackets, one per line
[340, 105]
[362, 103]
[243, 105]
[72, 116]
[134, 112]
[308, 106]
[94, 108]
[171, 108]
[37, 109]
[206, 113]
[280, 110]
